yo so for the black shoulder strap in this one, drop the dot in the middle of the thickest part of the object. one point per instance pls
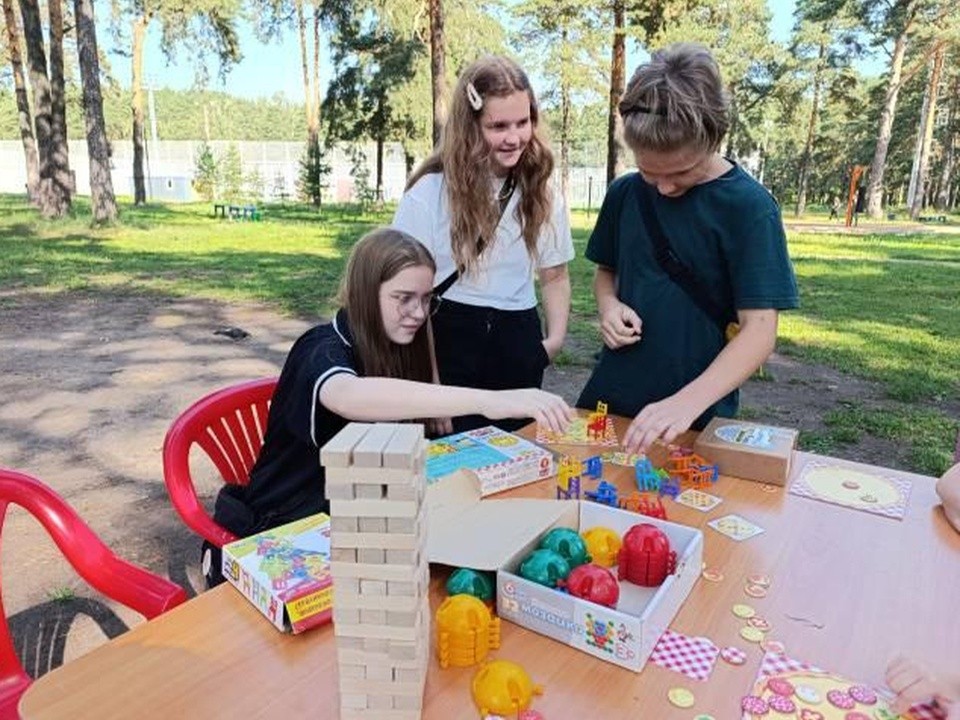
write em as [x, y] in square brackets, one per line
[504, 200]
[667, 259]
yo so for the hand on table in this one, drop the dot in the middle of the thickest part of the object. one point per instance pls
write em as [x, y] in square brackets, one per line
[546, 408]
[620, 325]
[913, 683]
[662, 420]
[438, 427]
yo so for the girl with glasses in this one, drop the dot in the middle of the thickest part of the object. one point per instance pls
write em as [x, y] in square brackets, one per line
[484, 206]
[371, 363]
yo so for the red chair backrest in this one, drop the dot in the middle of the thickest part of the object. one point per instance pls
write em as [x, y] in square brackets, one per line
[126, 583]
[229, 425]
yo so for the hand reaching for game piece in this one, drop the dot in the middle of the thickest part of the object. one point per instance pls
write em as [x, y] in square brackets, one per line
[913, 683]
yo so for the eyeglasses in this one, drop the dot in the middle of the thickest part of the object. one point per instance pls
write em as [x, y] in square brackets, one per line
[408, 303]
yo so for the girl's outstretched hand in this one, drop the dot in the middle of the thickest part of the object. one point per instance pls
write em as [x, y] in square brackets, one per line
[913, 683]
[546, 408]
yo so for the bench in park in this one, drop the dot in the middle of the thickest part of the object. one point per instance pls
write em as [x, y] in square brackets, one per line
[236, 212]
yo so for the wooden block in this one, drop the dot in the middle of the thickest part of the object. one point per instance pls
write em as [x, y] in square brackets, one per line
[368, 452]
[349, 643]
[409, 676]
[372, 657]
[355, 671]
[337, 452]
[378, 632]
[353, 701]
[347, 586]
[339, 491]
[404, 447]
[380, 701]
[371, 525]
[355, 475]
[374, 555]
[397, 618]
[376, 617]
[379, 689]
[408, 702]
[399, 557]
[368, 571]
[368, 492]
[373, 587]
[404, 525]
[344, 524]
[402, 651]
[341, 554]
[385, 541]
[394, 603]
[378, 672]
[368, 714]
[403, 492]
[375, 644]
[375, 508]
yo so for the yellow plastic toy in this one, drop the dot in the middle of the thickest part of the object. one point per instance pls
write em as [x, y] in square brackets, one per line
[603, 544]
[503, 688]
[466, 631]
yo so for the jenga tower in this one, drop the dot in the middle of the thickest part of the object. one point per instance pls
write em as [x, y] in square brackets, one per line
[381, 613]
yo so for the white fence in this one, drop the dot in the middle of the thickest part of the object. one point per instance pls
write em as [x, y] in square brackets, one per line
[169, 169]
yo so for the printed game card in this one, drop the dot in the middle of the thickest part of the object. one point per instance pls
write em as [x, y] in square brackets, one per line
[735, 527]
[698, 500]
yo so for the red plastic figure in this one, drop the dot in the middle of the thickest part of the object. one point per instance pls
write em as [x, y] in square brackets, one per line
[645, 556]
[593, 583]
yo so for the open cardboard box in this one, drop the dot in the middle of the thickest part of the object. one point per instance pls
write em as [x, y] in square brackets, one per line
[496, 535]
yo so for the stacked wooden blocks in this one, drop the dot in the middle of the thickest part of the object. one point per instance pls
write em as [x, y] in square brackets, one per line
[375, 483]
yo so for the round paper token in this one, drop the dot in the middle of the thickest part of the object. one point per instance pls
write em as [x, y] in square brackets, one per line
[681, 697]
[755, 591]
[863, 694]
[808, 694]
[744, 611]
[759, 623]
[851, 484]
[758, 579]
[712, 575]
[856, 716]
[841, 699]
[782, 704]
[780, 686]
[773, 646]
[754, 705]
[709, 717]
[751, 634]
[733, 655]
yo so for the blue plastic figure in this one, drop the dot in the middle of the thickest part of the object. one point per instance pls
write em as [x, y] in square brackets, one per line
[670, 487]
[605, 494]
[648, 479]
[593, 467]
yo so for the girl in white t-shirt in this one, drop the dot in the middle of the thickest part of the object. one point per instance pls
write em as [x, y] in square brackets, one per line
[484, 206]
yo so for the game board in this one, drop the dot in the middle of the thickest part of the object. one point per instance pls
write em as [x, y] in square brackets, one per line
[862, 487]
[816, 694]
[576, 434]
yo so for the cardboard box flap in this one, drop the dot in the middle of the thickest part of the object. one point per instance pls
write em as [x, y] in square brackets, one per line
[465, 531]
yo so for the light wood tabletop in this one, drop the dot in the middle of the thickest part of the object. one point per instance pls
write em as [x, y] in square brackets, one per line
[849, 589]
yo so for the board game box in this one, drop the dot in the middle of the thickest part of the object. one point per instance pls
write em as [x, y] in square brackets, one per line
[285, 572]
[747, 450]
[499, 460]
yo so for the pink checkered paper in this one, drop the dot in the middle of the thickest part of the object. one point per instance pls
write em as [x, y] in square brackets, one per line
[690, 656]
[776, 663]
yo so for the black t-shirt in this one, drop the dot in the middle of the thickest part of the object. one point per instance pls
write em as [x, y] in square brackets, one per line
[287, 481]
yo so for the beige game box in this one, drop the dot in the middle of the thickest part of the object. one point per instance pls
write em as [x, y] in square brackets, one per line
[748, 450]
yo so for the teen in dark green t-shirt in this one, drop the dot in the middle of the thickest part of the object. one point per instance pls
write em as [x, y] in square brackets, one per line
[665, 361]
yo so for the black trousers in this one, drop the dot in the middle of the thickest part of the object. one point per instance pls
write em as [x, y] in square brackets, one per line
[490, 349]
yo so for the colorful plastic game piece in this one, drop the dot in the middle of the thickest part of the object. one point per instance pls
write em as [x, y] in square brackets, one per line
[593, 467]
[605, 494]
[645, 557]
[545, 567]
[649, 506]
[648, 479]
[568, 543]
[568, 478]
[466, 631]
[603, 544]
[593, 583]
[470, 582]
[504, 688]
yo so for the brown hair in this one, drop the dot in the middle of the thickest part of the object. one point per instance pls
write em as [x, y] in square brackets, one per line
[463, 157]
[676, 100]
[378, 256]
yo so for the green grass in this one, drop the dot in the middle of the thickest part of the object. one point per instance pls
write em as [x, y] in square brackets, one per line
[881, 307]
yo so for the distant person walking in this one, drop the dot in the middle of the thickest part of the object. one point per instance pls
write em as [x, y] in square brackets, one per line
[861, 203]
[835, 208]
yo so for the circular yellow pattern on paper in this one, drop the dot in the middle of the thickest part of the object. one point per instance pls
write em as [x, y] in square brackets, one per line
[811, 690]
[751, 633]
[849, 487]
[681, 697]
[744, 611]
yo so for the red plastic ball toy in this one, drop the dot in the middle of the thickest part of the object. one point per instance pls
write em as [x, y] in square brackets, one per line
[595, 584]
[645, 557]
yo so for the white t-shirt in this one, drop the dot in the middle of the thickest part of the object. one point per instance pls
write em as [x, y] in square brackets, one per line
[505, 276]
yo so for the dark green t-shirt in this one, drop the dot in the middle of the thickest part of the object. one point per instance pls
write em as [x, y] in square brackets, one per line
[729, 232]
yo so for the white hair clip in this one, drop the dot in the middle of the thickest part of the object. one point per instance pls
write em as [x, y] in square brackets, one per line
[474, 98]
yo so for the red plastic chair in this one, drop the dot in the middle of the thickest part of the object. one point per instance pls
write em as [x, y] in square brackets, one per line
[128, 584]
[229, 425]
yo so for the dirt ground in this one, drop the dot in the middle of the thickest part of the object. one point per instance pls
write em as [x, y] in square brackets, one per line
[90, 385]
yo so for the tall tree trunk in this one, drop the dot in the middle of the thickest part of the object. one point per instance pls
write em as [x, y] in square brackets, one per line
[61, 178]
[305, 69]
[37, 70]
[949, 148]
[316, 66]
[811, 133]
[565, 120]
[879, 164]
[136, 89]
[24, 118]
[618, 79]
[101, 184]
[932, 90]
[379, 177]
[438, 68]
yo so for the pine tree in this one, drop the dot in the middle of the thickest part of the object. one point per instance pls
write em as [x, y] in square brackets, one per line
[313, 173]
[205, 173]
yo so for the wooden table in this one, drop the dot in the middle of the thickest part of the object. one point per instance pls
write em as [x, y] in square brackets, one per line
[863, 587]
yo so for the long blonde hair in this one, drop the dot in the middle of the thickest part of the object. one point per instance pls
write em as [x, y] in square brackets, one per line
[464, 158]
[376, 258]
